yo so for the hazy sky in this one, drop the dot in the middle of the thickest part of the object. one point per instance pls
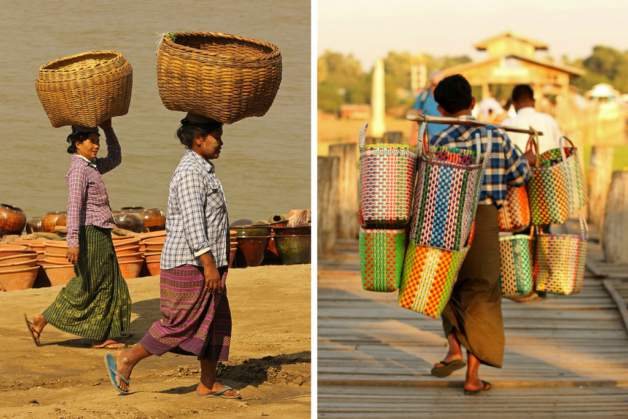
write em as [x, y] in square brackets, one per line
[371, 28]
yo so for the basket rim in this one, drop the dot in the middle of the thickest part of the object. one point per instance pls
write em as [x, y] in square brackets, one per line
[117, 56]
[275, 52]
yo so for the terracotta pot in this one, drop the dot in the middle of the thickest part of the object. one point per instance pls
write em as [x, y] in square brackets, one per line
[154, 268]
[294, 250]
[42, 280]
[17, 265]
[155, 244]
[59, 274]
[49, 221]
[271, 255]
[57, 247]
[12, 220]
[302, 230]
[142, 247]
[30, 244]
[18, 279]
[11, 250]
[153, 234]
[154, 219]
[241, 223]
[232, 256]
[153, 257]
[56, 258]
[251, 250]
[54, 261]
[41, 255]
[44, 262]
[23, 257]
[132, 241]
[126, 250]
[128, 220]
[131, 269]
[34, 225]
[250, 231]
[277, 218]
[130, 256]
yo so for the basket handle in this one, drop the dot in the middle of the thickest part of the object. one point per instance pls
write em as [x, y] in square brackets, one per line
[561, 147]
[584, 228]
[423, 139]
[533, 145]
[362, 135]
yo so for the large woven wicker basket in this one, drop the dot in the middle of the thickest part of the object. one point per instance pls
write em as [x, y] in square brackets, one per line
[220, 76]
[85, 89]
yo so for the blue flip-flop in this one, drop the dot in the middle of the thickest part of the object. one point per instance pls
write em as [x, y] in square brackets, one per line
[112, 372]
[221, 394]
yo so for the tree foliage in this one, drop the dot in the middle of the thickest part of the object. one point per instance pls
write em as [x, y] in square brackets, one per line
[604, 65]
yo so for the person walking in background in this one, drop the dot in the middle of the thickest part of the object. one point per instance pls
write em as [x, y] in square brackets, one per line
[527, 117]
[96, 303]
[425, 102]
[194, 263]
[473, 317]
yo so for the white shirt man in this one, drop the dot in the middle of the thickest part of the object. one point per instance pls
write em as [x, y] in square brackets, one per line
[527, 116]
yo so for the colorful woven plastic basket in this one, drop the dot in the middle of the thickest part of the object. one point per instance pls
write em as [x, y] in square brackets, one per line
[387, 173]
[514, 216]
[548, 192]
[381, 258]
[428, 277]
[446, 198]
[517, 263]
[568, 156]
[559, 261]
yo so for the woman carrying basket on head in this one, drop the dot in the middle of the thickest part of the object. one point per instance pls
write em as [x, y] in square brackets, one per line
[96, 303]
[194, 262]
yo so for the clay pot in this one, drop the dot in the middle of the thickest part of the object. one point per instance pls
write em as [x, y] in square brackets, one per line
[131, 268]
[250, 231]
[241, 223]
[19, 258]
[128, 241]
[59, 274]
[129, 257]
[294, 250]
[17, 265]
[153, 257]
[232, 256]
[126, 250]
[251, 250]
[154, 268]
[42, 280]
[154, 245]
[277, 218]
[56, 247]
[18, 279]
[153, 234]
[56, 258]
[12, 250]
[49, 221]
[34, 225]
[301, 230]
[279, 224]
[271, 254]
[54, 262]
[154, 219]
[12, 220]
[128, 220]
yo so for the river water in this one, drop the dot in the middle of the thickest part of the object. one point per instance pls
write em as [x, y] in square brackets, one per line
[265, 162]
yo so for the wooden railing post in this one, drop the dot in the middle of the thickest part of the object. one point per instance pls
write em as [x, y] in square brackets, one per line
[600, 172]
[347, 220]
[616, 220]
[328, 168]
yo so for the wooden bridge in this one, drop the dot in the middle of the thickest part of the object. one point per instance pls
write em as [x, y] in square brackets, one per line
[566, 356]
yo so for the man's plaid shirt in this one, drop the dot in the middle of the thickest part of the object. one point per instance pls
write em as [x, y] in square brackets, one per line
[506, 165]
[197, 220]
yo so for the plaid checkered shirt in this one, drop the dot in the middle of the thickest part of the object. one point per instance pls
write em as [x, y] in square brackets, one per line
[506, 166]
[197, 220]
[88, 202]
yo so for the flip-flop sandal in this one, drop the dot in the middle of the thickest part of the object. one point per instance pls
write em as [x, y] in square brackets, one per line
[486, 386]
[449, 367]
[110, 346]
[31, 329]
[221, 395]
[112, 372]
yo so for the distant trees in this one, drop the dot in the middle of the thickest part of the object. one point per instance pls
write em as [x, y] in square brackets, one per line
[604, 65]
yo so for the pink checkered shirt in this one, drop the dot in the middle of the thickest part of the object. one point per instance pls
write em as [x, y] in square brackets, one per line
[88, 202]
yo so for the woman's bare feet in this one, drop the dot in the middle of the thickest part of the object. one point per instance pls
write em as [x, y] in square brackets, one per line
[454, 353]
[107, 344]
[126, 361]
[36, 327]
[209, 384]
[203, 389]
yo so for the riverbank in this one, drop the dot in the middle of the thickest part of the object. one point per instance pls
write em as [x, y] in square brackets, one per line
[269, 361]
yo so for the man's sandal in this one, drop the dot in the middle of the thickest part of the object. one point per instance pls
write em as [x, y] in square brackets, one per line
[448, 368]
[486, 386]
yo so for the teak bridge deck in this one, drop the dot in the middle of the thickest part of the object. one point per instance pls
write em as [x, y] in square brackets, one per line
[566, 356]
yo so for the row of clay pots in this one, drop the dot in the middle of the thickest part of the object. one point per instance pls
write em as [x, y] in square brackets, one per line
[139, 219]
[12, 220]
[272, 243]
[130, 258]
[22, 268]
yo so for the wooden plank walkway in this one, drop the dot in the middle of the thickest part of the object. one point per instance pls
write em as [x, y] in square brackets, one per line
[566, 356]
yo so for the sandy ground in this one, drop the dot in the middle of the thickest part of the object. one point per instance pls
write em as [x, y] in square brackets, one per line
[269, 360]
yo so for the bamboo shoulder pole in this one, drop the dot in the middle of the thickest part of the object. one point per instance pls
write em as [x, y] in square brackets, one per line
[418, 117]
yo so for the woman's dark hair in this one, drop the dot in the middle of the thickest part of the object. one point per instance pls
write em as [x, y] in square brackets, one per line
[73, 138]
[188, 130]
[522, 92]
[453, 93]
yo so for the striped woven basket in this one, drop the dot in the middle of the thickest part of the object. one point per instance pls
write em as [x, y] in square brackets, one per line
[514, 216]
[515, 277]
[428, 277]
[85, 89]
[223, 77]
[559, 262]
[446, 198]
[387, 173]
[381, 258]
